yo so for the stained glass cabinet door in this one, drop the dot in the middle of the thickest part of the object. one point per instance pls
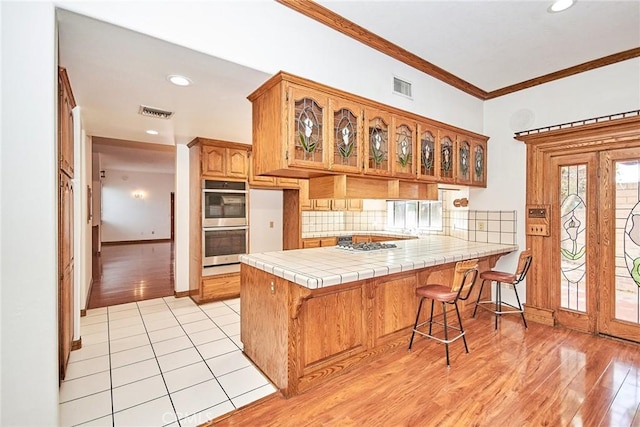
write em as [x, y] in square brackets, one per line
[345, 136]
[307, 124]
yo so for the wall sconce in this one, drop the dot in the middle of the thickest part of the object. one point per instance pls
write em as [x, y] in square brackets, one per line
[461, 203]
[138, 194]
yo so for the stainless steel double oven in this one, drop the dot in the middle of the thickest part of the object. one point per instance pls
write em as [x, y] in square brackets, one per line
[224, 222]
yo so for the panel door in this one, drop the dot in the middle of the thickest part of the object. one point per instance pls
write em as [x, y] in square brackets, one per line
[574, 225]
[619, 282]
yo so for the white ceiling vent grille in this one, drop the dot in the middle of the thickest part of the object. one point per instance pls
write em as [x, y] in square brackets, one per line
[401, 87]
[155, 112]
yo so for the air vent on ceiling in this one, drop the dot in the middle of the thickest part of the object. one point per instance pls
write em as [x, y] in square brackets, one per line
[401, 87]
[155, 112]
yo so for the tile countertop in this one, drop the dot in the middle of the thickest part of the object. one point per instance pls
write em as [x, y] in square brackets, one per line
[319, 267]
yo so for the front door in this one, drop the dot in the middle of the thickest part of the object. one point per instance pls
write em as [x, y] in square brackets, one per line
[619, 309]
[596, 264]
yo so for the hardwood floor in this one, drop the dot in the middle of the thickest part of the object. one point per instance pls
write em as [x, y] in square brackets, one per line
[541, 376]
[133, 272]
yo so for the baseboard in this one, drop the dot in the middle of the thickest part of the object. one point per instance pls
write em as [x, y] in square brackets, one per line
[181, 294]
[135, 242]
[77, 344]
[544, 316]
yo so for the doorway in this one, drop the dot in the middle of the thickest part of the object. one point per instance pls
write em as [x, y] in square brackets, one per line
[587, 267]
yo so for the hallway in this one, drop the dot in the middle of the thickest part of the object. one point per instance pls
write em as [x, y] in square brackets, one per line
[133, 272]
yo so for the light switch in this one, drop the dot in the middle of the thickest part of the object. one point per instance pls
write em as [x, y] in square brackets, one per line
[270, 224]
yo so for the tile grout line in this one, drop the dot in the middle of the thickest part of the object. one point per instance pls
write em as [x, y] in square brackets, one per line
[202, 357]
[158, 363]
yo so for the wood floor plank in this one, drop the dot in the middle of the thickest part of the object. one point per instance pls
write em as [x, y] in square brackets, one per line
[512, 377]
[133, 272]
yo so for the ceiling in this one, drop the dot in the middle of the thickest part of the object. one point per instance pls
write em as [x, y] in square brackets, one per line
[489, 44]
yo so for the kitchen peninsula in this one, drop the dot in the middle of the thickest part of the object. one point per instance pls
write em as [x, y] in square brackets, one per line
[310, 314]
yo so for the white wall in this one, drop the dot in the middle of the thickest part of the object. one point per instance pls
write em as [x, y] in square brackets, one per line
[181, 249]
[265, 41]
[127, 218]
[265, 220]
[604, 91]
[29, 379]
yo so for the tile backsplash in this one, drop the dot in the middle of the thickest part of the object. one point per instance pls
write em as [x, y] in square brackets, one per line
[471, 225]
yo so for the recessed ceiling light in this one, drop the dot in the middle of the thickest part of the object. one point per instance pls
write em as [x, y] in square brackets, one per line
[152, 132]
[560, 5]
[179, 80]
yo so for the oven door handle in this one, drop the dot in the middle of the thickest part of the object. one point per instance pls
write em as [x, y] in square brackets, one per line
[230, 228]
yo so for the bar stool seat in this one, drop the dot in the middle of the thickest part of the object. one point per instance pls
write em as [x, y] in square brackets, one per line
[464, 278]
[496, 306]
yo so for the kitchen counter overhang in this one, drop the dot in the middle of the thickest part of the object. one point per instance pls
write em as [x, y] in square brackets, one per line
[308, 315]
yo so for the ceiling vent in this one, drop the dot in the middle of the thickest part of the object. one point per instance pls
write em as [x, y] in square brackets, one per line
[401, 87]
[155, 112]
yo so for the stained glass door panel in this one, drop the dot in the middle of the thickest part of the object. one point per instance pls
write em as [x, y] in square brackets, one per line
[575, 257]
[620, 277]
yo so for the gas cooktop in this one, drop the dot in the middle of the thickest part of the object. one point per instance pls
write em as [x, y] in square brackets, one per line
[373, 246]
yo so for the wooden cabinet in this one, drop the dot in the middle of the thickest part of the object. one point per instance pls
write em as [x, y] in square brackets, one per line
[319, 242]
[446, 158]
[221, 286]
[211, 159]
[346, 205]
[479, 162]
[224, 162]
[463, 164]
[376, 150]
[302, 129]
[307, 131]
[427, 152]
[403, 147]
[346, 136]
[274, 182]
[66, 103]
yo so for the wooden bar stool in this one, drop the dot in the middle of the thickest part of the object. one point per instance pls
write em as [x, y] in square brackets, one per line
[464, 278]
[524, 262]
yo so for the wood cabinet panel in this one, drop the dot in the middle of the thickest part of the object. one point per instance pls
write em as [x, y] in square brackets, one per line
[213, 161]
[318, 242]
[396, 303]
[224, 162]
[331, 325]
[219, 287]
[66, 103]
[236, 163]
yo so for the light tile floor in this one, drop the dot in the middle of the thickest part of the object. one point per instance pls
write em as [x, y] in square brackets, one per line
[165, 361]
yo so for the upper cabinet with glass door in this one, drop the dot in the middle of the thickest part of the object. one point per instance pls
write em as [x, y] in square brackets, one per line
[403, 148]
[447, 155]
[463, 164]
[346, 136]
[427, 152]
[479, 162]
[377, 159]
[308, 111]
[471, 166]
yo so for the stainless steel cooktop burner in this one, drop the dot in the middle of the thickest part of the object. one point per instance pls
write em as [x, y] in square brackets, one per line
[373, 246]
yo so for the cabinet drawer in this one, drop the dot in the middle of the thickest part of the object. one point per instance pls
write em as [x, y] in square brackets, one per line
[223, 286]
